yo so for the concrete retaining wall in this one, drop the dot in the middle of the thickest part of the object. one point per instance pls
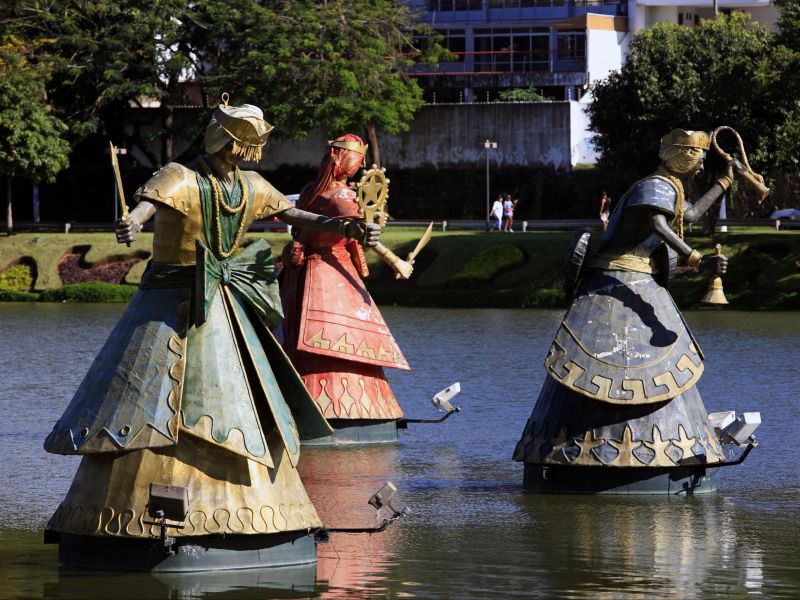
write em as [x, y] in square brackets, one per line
[447, 136]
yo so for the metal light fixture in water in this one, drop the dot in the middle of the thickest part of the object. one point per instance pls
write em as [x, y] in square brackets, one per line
[386, 497]
[441, 400]
[167, 503]
[731, 429]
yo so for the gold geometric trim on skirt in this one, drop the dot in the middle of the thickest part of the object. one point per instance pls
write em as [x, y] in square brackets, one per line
[637, 387]
[631, 452]
[126, 522]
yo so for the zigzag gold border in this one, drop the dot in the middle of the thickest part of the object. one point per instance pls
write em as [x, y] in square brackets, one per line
[128, 522]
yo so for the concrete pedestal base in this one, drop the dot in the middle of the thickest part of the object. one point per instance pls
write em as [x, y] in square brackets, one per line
[620, 481]
[187, 554]
[357, 431]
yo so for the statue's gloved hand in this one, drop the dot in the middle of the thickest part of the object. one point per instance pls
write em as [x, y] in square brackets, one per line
[126, 229]
[736, 165]
[714, 263]
[725, 174]
[729, 168]
[368, 234]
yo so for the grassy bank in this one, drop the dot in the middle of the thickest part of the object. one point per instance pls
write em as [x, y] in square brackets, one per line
[457, 269]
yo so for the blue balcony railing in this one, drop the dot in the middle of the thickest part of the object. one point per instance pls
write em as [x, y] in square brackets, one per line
[532, 10]
[505, 61]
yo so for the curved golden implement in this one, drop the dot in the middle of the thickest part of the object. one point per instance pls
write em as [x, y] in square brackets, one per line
[743, 168]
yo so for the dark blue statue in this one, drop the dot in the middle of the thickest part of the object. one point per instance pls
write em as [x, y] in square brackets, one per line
[620, 410]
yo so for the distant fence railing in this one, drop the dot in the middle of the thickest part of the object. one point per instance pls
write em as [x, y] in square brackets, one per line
[448, 11]
[439, 224]
[506, 61]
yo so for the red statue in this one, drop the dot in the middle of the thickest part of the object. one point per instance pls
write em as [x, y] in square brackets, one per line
[333, 330]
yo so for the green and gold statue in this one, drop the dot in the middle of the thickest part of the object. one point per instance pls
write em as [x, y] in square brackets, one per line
[190, 418]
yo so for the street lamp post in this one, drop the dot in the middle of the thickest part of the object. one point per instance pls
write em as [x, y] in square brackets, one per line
[488, 145]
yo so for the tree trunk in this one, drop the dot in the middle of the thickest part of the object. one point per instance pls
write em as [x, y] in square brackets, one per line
[35, 193]
[374, 147]
[168, 141]
[9, 216]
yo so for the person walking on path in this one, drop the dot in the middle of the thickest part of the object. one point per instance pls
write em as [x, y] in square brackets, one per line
[496, 214]
[508, 214]
[605, 209]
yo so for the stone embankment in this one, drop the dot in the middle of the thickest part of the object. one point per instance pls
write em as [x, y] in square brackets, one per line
[457, 268]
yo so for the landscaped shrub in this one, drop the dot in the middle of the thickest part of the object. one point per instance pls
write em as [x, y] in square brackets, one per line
[17, 296]
[70, 270]
[487, 264]
[17, 278]
[90, 292]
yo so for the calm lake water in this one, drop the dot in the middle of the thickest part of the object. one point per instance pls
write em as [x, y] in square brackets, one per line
[472, 533]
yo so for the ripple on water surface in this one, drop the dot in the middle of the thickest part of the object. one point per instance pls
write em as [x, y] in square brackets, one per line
[472, 532]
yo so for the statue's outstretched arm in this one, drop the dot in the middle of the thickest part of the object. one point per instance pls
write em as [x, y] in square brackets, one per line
[367, 233]
[126, 229]
[706, 200]
[715, 263]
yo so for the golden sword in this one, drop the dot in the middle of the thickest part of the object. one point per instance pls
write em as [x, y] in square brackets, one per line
[118, 177]
[423, 241]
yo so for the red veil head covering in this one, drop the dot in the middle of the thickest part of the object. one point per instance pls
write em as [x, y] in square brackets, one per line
[343, 157]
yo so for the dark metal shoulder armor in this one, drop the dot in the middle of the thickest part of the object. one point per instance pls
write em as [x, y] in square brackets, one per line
[573, 261]
[654, 191]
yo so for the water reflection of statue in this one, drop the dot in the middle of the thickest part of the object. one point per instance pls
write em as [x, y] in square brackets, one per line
[191, 389]
[664, 550]
[620, 406]
[333, 330]
[338, 479]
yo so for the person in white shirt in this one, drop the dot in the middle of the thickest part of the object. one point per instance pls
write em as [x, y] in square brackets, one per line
[496, 214]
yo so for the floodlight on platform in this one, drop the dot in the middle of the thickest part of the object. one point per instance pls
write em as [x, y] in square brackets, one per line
[741, 430]
[167, 502]
[387, 497]
[441, 400]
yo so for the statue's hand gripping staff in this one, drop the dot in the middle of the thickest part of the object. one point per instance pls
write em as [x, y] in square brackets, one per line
[124, 215]
[372, 195]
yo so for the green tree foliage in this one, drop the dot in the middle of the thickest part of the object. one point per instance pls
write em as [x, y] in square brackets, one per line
[31, 146]
[788, 33]
[109, 55]
[787, 136]
[339, 62]
[355, 55]
[728, 71]
[530, 94]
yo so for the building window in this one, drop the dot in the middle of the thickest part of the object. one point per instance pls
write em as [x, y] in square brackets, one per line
[571, 45]
[518, 50]
[523, 3]
[454, 40]
[454, 5]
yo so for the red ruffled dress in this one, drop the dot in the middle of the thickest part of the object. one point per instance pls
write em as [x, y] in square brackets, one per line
[333, 330]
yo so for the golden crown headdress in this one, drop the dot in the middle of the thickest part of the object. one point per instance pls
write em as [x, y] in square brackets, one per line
[246, 125]
[688, 139]
[350, 145]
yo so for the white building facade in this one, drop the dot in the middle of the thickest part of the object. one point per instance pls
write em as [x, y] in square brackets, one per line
[560, 47]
